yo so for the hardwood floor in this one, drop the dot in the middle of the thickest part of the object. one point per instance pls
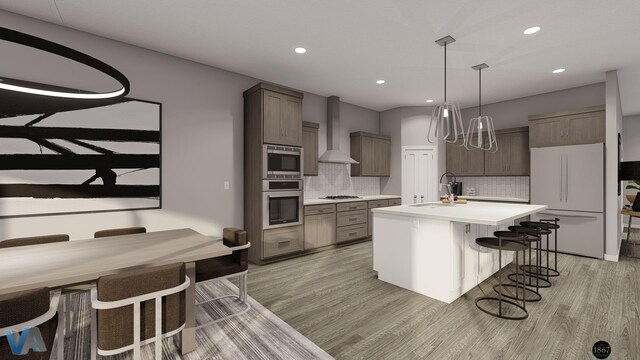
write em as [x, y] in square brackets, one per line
[335, 299]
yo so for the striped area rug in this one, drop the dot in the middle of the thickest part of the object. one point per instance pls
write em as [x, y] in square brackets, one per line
[255, 334]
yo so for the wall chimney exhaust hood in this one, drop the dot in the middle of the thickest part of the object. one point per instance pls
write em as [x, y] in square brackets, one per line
[333, 153]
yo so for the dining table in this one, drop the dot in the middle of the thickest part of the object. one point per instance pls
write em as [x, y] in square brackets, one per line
[62, 264]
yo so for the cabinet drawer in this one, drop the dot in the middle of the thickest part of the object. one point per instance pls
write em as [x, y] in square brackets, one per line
[353, 232]
[378, 203]
[282, 241]
[395, 202]
[319, 209]
[362, 205]
[352, 218]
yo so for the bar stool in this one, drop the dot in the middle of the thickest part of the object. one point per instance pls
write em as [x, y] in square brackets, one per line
[545, 228]
[508, 243]
[552, 224]
[529, 295]
[530, 274]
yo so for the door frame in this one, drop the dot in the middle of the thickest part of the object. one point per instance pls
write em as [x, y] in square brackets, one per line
[434, 165]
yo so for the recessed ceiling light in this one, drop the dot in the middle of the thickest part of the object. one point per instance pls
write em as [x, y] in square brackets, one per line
[532, 30]
[430, 101]
[558, 71]
[300, 50]
[380, 82]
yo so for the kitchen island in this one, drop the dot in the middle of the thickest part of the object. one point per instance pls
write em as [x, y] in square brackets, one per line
[430, 248]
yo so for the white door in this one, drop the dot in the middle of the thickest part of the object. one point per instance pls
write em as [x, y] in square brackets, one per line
[419, 176]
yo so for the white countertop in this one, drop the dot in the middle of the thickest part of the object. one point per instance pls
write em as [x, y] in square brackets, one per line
[475, 212]
[361, 198]
[494, 198]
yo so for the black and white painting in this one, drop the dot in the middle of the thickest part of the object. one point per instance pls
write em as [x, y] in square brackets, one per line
[65, 156]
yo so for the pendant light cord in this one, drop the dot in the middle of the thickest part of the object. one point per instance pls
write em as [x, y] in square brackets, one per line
[479, 92]
[445, 72]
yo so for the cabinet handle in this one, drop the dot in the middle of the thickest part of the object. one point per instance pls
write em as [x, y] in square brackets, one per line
[353, 219]
[283, 242]
[353, 233]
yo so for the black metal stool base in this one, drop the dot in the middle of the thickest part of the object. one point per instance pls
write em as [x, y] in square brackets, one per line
[530, 280]
[502, 316]
[529, 295]
[539, 270]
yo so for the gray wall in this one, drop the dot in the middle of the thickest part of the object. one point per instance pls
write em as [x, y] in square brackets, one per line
[202, 132]
[613, 202]
[407, 126]
[631, 138]
[514, 113]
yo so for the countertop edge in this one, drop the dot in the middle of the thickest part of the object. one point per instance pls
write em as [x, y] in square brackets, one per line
[394, 211]
[363, 198]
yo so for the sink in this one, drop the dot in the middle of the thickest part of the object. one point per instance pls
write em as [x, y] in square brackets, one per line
[430, 205]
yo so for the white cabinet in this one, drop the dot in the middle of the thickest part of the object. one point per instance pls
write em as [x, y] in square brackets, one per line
[419, 176]
[473, 263]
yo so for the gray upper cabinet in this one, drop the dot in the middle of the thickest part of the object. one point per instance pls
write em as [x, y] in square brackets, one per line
[463, 162]
[373, 152]
[310, 147]
[512, 157]
[281, 111]
[575, 127]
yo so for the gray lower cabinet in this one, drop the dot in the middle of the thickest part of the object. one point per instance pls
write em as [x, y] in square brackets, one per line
[352, 232]
[351, 221]
[574, 127]
[319, 226]
[282, 241]
[372, 205]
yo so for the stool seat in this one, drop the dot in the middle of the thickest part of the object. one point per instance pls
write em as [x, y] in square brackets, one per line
[535, 226]
[497, 244]
[526, 236]
[540, 225]
[524, 230]
[509, 235]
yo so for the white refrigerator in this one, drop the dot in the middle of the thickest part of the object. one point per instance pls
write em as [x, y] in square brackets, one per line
[570, 180]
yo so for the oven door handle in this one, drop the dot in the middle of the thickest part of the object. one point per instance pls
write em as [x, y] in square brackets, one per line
[283, 152]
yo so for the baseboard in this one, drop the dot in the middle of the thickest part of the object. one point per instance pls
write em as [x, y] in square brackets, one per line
[614, 258]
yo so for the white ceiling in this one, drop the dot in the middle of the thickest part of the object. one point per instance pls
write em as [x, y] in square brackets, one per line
[351, 44]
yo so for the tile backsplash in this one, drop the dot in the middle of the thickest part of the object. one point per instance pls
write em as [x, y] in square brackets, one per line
[335, 179]
[507, 186]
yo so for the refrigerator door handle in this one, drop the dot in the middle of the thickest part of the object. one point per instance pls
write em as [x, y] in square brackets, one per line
[566, 178]
[561, 177]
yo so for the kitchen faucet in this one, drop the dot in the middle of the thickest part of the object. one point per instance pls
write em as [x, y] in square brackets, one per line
[448, 187]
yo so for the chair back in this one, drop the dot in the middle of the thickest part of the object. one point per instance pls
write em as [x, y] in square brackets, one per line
[119, 232]
[19, 307]
[232, 237]
[115, 326]
[34, 240]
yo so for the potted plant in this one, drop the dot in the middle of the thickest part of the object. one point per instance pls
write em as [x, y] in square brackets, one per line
[632, 185]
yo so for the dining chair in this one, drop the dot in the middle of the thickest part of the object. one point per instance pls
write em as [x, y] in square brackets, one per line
[137, 307]
[34, 240]
[120, 232]
[34, 309]
[47, 239]
[234, 265]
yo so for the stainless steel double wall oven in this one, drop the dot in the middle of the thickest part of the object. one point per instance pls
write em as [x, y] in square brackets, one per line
[282, 195]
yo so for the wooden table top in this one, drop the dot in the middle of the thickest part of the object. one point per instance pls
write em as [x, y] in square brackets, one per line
[628, 211]
[80, 261]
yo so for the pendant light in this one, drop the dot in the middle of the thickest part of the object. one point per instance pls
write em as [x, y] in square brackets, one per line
[65, 52]
[481, 132]
[446, 116]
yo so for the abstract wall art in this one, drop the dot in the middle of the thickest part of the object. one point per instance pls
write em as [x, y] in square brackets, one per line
[67, 156]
